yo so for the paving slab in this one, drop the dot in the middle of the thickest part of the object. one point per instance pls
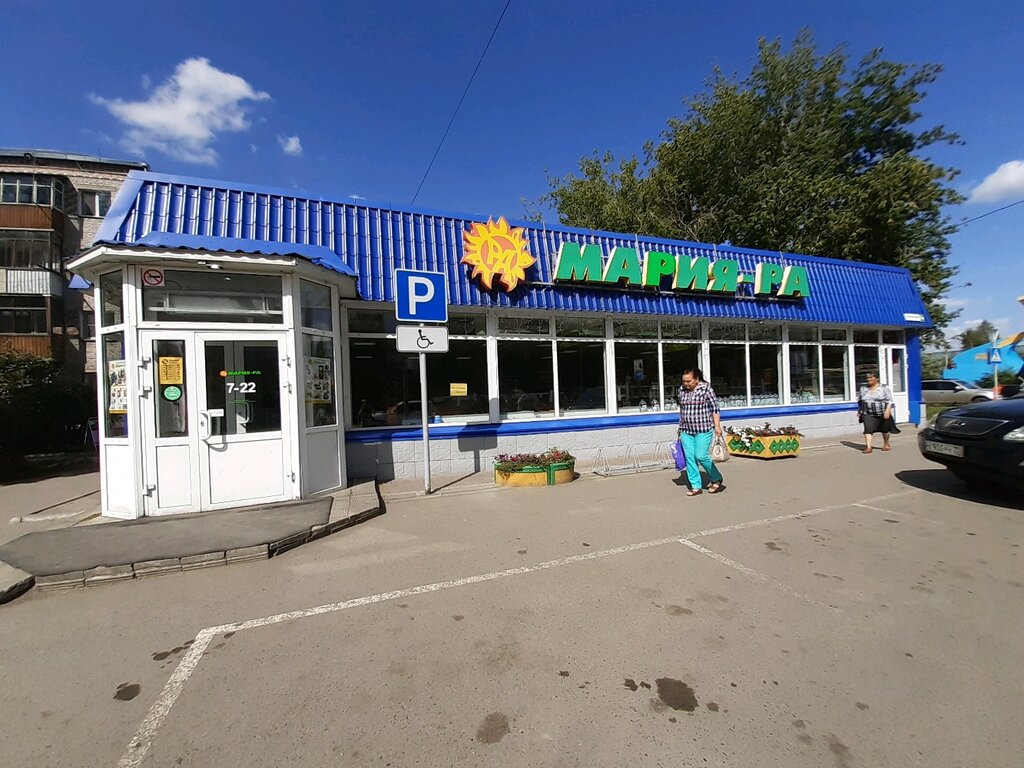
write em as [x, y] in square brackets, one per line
[48, 553]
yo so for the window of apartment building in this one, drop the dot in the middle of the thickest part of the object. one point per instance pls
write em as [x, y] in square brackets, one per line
[88, 325]
[23, 314]
[28, 249]
[92, 202]
[26, 189]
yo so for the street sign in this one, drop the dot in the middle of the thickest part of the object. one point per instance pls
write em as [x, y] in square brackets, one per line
[421, 297]
[427, 338]
[994, 356]
[153, 278]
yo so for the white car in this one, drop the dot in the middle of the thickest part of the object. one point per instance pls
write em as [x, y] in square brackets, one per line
[953, 392]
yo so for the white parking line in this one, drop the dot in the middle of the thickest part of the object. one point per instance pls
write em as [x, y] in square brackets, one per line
[756, 574]
[141, 743]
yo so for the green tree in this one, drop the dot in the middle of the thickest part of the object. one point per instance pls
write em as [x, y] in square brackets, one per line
[808, 154]
[976, 335]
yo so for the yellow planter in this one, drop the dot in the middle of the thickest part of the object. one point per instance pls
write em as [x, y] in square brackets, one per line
[764, 447]
[556, 474]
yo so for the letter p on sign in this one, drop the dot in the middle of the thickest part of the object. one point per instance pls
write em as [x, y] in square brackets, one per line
[421, 297]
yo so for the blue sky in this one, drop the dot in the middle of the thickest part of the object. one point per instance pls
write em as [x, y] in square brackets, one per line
[350, 98]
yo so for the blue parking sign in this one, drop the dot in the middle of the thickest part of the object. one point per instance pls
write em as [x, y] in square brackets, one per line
[421, 297]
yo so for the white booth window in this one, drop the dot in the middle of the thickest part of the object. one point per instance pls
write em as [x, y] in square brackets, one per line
[213, 297]
[116, 385]
[111, 299]
[318, 356]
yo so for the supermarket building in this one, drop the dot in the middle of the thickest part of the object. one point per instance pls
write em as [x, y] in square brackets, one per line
[247, 350]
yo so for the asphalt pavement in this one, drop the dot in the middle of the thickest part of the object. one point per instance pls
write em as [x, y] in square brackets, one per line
[835, 609]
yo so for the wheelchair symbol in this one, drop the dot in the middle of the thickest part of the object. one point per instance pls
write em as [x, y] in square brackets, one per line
[422, 341]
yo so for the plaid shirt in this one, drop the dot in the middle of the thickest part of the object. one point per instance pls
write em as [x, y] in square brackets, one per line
[696, 408]
[873, 402]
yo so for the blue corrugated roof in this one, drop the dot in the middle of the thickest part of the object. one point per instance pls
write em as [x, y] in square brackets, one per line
[370, 241]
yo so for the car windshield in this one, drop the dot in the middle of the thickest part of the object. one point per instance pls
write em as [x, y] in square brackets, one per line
[964, 384]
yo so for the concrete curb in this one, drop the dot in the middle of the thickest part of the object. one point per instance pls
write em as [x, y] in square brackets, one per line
[359, 503]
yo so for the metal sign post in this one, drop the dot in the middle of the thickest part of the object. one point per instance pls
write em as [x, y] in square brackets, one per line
[422, 297]
[994, 359]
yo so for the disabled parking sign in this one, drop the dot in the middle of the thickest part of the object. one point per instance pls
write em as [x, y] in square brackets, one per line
[420, 296]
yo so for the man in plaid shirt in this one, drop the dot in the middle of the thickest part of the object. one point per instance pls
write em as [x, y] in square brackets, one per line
[699, 422]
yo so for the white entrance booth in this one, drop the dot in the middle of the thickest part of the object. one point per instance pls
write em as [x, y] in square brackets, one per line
[217, 376]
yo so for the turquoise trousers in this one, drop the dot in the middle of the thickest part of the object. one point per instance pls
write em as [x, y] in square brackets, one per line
[697, 450]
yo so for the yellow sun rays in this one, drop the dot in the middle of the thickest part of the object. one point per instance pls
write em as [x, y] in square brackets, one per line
[497, 250]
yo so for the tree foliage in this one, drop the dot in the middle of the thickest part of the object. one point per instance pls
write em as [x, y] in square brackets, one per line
[976, 335]
[810, 153]
[39, 410]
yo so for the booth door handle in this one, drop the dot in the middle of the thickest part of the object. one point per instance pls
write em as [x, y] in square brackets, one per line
[204, 426]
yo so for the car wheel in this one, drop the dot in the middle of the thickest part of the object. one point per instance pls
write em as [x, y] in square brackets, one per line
[979, 400]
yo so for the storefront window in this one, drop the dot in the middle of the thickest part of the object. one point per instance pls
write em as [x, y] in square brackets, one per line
[865, 337]
[803, 374]
[635, 329]
[764, 332]
[676, 358]
[729, 374]
[672, 329]
[581, 387]
[897, 374]
[457, 382]
[467, 325]
[172, 391]
[525, 379]
[116, 390]
[112, 298]
[835, 368]
[765, 374]
[385, 384]
[320, 393]
[803, 333]
[892, 337]
[243, 387]
[315, 303]
[727, 332]
[371, 321]
[213, 297]
[581, 327]
[833, 334]
[636, 376]
[865, 361]
[524, 326]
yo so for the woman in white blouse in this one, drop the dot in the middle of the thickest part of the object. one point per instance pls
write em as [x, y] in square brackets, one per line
[875, 408]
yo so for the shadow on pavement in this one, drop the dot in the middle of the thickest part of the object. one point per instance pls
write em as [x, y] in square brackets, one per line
[33, 471]
[944, 482]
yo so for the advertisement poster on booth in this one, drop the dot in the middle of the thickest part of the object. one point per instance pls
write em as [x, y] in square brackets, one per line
[118, 385]
[319, 386]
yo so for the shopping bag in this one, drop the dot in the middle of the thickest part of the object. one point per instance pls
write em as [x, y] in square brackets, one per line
[677, 455]
[719, 452]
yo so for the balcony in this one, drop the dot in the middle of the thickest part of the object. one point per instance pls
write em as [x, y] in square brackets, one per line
[36, 282]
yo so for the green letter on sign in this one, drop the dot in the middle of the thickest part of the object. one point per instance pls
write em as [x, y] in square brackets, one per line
[658, 265]
[623, 264]
[724, 276]
[574, 264]
[795, 283]
[767, 277]
[692, 275]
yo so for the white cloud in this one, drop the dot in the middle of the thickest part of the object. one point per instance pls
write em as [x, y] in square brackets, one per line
[954, 303]
[357, 197]
[1005, 183]
[291, 145]
[253, 148]
[184, 115]
[146, 82]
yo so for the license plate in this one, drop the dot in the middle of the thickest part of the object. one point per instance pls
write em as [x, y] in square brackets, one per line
[944, 448]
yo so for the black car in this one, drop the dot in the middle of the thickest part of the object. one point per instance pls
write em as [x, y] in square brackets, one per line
[981, 443]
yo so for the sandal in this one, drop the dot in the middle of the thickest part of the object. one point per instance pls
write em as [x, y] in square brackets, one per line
[716, 488]
[694, 492]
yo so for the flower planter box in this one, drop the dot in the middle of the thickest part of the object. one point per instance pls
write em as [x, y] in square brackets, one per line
[554, 474]
[777, 447]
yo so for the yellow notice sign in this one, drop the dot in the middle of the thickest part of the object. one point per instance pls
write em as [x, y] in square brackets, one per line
[172, 370]
[458, 390]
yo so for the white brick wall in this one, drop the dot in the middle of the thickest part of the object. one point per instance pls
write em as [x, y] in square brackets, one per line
[404, 459]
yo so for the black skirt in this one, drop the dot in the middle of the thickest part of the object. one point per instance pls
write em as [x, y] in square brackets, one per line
[874, 424]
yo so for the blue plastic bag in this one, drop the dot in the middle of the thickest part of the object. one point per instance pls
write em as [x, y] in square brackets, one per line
[678, 456]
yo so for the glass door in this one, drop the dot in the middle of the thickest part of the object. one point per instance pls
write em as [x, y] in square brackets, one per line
[243, 419]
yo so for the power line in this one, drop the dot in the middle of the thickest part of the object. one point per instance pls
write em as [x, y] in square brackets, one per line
[457, 108]
[997, 210]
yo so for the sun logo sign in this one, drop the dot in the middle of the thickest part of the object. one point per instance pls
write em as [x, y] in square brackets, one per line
[497, 250]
